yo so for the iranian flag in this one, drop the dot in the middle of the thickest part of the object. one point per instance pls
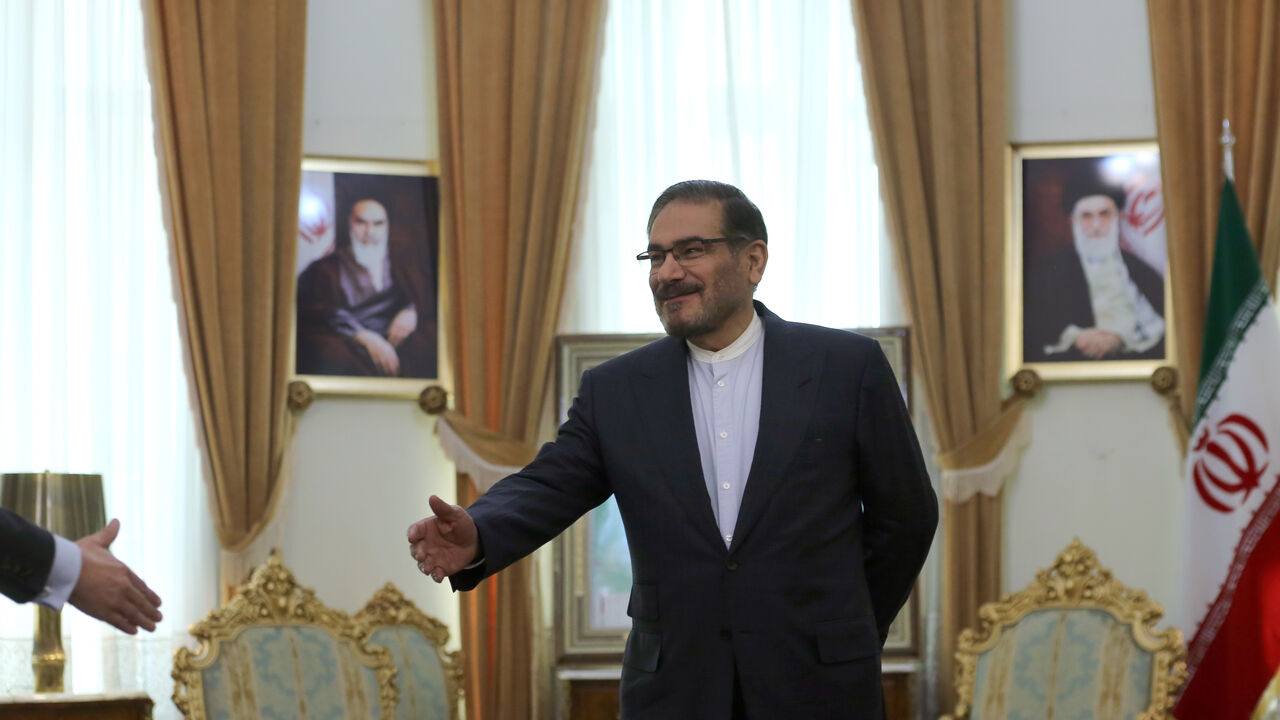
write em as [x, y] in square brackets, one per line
[1232, 550]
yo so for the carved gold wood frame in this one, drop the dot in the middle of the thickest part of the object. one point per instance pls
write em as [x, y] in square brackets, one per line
[273, 597]
[1014, 270]
[1076, 581]
[389, 608]
[577, 641]
[415, 388]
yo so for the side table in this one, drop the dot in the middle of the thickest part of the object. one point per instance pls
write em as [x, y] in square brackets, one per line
[62, 706]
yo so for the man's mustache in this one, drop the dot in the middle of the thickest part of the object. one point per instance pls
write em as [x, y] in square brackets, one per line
[669, 291]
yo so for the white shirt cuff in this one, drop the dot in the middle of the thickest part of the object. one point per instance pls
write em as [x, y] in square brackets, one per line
[63, 575]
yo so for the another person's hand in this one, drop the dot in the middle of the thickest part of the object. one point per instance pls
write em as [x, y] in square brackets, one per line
[405, 322]
[444, 544]
[1097, 343]
[383, 354]
[108, 590]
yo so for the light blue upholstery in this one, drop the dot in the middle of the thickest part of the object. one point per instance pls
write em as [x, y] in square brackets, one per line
[419, 673]
[1075, 644]
[1076, 664]
[275, 652]
[288, 672]
[429, 678]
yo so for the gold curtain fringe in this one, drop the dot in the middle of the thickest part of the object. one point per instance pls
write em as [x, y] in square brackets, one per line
[981, 464]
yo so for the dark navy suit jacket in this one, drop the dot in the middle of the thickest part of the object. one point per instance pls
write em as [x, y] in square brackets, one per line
[836, 520]
[26, 556]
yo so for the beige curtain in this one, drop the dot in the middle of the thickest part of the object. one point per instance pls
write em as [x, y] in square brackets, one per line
[516, 87]
[1214, 60]
[227, 81]
[935, 77]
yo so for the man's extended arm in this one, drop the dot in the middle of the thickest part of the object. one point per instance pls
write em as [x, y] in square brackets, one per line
[520, 512]
[38, 565]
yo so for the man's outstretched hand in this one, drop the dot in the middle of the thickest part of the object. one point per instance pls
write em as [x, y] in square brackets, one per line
[445, 543]
[108, 590]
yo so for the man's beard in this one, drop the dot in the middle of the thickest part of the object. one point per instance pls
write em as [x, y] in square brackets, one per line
[371, 257]
[1097, 248]
[717, 308]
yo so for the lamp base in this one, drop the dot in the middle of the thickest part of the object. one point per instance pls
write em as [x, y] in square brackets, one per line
[47, 656]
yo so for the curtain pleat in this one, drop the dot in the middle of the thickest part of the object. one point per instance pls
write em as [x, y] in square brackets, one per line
[935, 76]
[516, 86]
[1214, 60]
[227, 80]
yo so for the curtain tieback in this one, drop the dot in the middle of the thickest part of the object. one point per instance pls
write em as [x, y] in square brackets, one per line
[981, 463]
[480, 453]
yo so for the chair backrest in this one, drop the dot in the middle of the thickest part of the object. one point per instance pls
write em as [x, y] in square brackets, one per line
[1074, 643]
[276, 651]
[429, 678]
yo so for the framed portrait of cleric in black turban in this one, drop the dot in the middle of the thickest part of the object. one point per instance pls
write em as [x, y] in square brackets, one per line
[1086, 294]
[592, 560]
[366, 319]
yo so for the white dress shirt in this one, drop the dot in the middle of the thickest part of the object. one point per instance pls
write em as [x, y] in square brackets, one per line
[724, 389]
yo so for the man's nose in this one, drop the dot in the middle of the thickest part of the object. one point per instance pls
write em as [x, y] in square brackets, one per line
[670, 270]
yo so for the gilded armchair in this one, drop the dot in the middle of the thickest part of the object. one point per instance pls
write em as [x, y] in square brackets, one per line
[276, 651]
[1075, 643]
[429, 678]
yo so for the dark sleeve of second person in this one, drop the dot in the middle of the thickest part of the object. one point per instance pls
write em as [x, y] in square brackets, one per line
[26, 556]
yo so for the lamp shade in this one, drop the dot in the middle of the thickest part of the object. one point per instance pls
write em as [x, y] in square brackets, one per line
[68, 504]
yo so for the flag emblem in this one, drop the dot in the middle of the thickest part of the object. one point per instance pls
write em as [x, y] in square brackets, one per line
[1225, 468]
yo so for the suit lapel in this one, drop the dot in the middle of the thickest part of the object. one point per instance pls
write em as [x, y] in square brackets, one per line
[788, 393]
[662, 394]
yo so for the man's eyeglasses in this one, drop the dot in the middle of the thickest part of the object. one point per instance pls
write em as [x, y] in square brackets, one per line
[684, 251]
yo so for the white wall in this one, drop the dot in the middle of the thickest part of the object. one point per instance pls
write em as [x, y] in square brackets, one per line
[365, 467]
[1103, 463]
[371, 80]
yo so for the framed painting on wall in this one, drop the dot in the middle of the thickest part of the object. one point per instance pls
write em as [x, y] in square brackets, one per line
[593, 564]
[367, 301]
[1086, 294]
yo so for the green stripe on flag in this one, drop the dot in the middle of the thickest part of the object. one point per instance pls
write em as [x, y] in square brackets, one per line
[1236, 293]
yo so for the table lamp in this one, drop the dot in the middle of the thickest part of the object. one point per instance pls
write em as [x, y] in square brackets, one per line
[71, 506]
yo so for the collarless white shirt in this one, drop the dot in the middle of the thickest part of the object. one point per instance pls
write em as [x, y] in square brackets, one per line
[724, 390]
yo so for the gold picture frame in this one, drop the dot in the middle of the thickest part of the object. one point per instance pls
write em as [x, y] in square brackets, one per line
[1047, 288]
[409, 192]
[592, 564]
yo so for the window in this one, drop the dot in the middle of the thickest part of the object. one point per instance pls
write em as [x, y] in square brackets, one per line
[91, 371]
[764, 94]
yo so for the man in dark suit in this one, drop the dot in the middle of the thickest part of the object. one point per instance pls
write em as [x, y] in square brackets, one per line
[37, 565]
[776, 504]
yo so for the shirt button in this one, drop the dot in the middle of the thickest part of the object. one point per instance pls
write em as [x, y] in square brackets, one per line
[728, 538]
[724, 434]
[720, 384]
[725, 486]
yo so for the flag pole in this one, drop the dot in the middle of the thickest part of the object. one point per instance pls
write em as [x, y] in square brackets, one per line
[1228, 141]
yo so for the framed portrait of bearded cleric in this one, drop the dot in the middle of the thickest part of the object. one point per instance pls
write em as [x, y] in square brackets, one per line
[366, 313]
[592, 562]
[1086, 290]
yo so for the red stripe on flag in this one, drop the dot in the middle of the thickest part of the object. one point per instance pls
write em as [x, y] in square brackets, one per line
[1237, 648]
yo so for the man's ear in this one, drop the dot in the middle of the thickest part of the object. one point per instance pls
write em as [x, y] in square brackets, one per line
[757, 257]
